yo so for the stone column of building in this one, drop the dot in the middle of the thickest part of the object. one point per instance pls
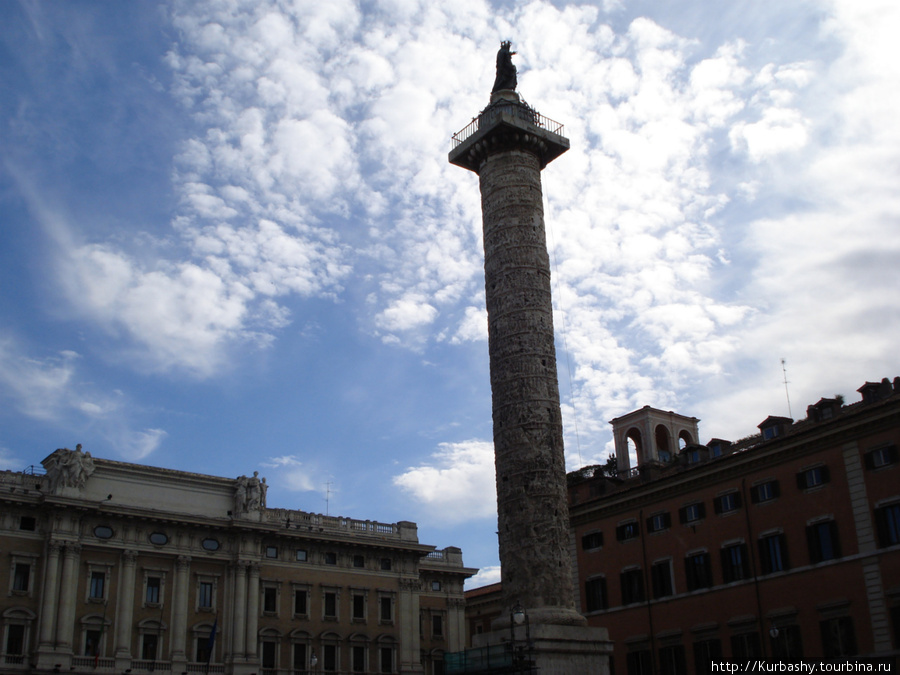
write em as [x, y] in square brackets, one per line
[180, 594]
[68, 588]
[252, 610]
[456, 624]
[240, 609]
[50, 595]
[408, 616]
[125, 606]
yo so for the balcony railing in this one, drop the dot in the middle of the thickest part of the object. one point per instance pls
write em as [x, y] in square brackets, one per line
[519, 110]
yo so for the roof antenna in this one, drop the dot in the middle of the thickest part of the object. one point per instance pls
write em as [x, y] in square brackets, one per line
[786, 393]
[327, 495]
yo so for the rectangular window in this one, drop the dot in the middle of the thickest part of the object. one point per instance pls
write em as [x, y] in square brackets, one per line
[745, 647]
[887, 520]
[727, 503]
[629, 530]
[881, 457]
[330, 558]
[359, 561]
[773, 554]
[765, 492]
[270, 600]
[148, 646]
[329, 658]
[301, 663]
[271, 551]
[707, 652]
[21, 577]
[269, 651]
[638, 662]
[386, 564]
[92, 642]
[661, 576]
[823, 542]
[692, 513]
[592, 540]
[98, 581]
[359, 607]
[787, 644]
[671, 660]
[358, 659]
[838, 638]
[699, 574]
[153, 586]
[632, 586]
[27, 523]
[331, 605]
[735, 565]
[201, 649]
[814, 477]
[204, 599]
[15, 639]
[386, 657]
[301, 555]
[659, 522]
[595, 594]
[437, 625]
[300, 603]
[386, 609]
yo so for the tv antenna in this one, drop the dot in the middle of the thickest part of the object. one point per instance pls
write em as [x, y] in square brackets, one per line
[786, 392]
[327, 495]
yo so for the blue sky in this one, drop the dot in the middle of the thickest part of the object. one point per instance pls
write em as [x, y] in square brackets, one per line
[231, 240]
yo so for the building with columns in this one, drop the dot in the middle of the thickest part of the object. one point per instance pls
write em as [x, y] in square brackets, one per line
[115, 567]
[781, 546]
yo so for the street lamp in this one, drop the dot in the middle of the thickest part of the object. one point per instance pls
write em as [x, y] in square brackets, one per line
[517, 617]
[313, 660]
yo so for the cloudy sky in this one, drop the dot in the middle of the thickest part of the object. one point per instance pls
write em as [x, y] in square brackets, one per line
[231, 240]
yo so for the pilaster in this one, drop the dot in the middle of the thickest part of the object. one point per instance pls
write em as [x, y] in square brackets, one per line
[125, 610]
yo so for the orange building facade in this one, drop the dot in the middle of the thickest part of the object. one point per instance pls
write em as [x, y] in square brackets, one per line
[782, 546]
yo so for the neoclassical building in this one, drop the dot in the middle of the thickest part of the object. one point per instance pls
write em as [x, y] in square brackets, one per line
[123, 568]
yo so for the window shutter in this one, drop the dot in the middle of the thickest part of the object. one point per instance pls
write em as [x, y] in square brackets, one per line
[801, 480]
[776, 489]
[882, 526]
[754, 494]
[701, 510]
[682, 515]
[717, 505]
[667, 519]
[812, 540]
[826, 475]
[649, 524]
[737, 500]
[892, 454]
[870, 460]
[835, 542]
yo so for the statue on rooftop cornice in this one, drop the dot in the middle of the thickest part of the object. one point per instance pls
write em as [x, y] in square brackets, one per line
[249, 494]
[506, 70]
[68, 468]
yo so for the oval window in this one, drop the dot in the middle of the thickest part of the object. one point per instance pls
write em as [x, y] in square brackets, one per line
[103, 532]
[210, 544]
[159, 538]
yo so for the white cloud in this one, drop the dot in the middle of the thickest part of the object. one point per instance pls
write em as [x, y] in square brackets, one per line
[457, 485]
[485, 577]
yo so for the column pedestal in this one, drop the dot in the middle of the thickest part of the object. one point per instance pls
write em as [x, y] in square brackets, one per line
[557, 650]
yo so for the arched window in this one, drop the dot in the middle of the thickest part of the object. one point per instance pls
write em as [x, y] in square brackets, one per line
[663, 447]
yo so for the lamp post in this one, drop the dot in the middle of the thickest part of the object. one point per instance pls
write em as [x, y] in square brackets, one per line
[517, 617]
[313, 660]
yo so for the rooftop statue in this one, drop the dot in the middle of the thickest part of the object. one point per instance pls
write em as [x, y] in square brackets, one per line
[506, 71]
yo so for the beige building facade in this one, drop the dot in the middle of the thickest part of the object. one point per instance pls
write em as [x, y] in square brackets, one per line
[116, 567]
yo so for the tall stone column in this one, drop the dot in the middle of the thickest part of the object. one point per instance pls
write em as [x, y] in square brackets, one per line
[69, 587]
[125, 607]
[252, 610]
[50, 595]
[180, 594]
[240, 609]
[508, 145]
[408, 616]
[508, 150]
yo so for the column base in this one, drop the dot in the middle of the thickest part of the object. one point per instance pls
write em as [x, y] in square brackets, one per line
[557, 650]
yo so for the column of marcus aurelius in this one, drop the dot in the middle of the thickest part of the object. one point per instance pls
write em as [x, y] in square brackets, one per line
[508, 145]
